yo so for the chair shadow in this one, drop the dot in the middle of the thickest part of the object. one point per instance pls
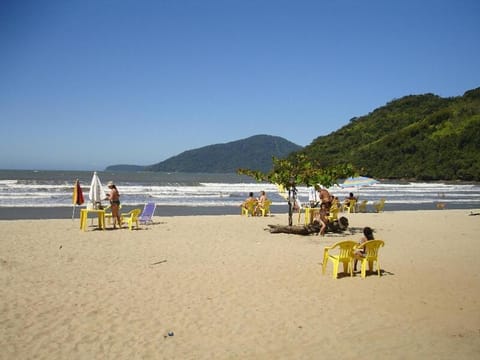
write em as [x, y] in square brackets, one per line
[348, 232]
[374, 273]
[356, 230]
[342, 275]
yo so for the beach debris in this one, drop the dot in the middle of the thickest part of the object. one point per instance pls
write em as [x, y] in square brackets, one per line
[474, 214]
[159, 262]
[336, 226]
[167, 334]
[295, 229]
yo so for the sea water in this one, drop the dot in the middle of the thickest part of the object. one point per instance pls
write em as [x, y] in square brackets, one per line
[23, 188]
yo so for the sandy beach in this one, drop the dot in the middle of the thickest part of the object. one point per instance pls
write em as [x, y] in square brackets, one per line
[222, 287]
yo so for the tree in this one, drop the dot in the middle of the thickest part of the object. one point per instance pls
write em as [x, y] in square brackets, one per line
[300, 170]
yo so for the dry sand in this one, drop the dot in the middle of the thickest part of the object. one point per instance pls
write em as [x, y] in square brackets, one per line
[227, 289]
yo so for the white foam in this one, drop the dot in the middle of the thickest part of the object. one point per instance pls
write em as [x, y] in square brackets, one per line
[50, 193]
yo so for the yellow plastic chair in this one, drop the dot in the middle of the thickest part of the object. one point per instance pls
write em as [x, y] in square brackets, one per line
[131, 218]
[379, 205]
[265, 209]
[344, 256]
[371, 255]
[362, 208]
[310, 214]
[108, 215]
[249, 208]
[333, 213]
[350, 207]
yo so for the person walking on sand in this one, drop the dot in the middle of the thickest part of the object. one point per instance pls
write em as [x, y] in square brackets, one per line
[322, 218]
[114, 197]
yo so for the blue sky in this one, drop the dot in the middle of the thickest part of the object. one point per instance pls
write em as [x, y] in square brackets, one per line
[85, 84]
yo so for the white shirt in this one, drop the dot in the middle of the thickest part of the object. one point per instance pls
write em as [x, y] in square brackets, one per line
[312, 194]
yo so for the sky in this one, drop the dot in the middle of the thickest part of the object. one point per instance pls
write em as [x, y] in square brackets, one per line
[89, 83]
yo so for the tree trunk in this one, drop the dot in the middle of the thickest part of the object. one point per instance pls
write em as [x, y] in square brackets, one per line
[337, 226]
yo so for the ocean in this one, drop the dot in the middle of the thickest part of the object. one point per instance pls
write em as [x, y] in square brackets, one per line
[192, 194]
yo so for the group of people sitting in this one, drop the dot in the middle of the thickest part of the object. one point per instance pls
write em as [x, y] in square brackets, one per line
[318, 197]
[256, 203]
[321, 197]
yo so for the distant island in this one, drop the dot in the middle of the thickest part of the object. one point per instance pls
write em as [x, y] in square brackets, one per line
[255, 152]
[127, 168]
[417, 137]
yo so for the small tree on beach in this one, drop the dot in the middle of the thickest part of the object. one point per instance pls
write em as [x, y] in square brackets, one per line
[300, 170]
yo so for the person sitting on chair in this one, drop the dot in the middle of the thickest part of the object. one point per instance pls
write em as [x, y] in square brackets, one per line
[367, 235]
[250, 199]
[260, 202]
[348, 198]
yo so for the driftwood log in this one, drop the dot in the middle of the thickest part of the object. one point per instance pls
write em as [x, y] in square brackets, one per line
[336, 226]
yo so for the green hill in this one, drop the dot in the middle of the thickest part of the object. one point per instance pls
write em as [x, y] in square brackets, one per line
[254, 153]
[423, 137]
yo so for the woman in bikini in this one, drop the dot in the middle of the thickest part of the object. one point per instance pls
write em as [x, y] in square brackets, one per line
[114, 197]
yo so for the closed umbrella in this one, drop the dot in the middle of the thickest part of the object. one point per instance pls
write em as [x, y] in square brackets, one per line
[96, 193]
[77, 198]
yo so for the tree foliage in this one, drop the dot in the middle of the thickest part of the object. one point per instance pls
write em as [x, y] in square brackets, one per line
[301, 170]
[422, 137]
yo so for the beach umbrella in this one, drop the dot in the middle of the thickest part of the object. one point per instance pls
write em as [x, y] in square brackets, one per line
[358, 182]
[96, 193]
[77, 198]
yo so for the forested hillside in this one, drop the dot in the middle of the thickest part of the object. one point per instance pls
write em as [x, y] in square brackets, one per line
[423, 137]
[254, 153]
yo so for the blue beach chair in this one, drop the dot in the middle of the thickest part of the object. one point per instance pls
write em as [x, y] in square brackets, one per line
[147, 213]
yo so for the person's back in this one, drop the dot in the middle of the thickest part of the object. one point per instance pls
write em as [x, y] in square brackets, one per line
[349, 198]
[250, 199]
